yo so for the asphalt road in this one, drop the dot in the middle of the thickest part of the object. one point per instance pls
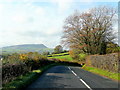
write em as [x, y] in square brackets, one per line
[72, 77]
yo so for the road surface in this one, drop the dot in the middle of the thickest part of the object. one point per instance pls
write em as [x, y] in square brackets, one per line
[72, 77]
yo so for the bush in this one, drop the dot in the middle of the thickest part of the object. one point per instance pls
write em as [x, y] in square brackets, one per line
[113, 50]
[18, 64]
[74, 54]
[9, 72]
[12, 59]
[82, 57]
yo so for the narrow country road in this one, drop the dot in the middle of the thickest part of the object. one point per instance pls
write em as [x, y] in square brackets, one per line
[72, 77]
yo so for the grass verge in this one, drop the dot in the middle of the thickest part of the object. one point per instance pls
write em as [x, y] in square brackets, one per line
[25, 80]
[111, 75]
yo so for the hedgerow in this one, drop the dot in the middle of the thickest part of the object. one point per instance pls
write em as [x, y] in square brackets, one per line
[18, 64]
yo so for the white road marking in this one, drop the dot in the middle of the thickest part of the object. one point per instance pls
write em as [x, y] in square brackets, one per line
[69, 68]
[85, 84]
[80, 79]
[74, 73]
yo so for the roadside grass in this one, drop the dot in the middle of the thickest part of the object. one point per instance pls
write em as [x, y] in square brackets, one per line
[111, 75]
[24, 80]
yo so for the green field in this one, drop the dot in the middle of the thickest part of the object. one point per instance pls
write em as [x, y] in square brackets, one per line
[61, 56]
[66, 57]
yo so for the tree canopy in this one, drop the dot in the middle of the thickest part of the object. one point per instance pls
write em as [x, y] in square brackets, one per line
[89, 31]
[58, 49]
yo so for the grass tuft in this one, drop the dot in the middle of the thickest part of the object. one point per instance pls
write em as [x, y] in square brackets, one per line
[37, 71]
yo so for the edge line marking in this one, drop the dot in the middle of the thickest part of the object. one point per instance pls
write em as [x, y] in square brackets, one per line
[80, 79]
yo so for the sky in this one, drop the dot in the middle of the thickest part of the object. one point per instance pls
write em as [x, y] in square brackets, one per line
[39, 21]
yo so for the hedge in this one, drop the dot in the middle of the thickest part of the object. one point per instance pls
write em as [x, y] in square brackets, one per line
[108, 62]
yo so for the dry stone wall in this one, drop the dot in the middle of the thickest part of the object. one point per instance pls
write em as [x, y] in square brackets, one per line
[108, 62]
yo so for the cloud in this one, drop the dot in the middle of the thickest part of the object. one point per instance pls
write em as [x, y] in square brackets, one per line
[27, 25]
[10, 1]
[19, 18]
[22, 21]
[63, 5]
[39, 10]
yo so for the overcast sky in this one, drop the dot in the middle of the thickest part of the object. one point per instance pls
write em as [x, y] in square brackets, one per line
[39, 21]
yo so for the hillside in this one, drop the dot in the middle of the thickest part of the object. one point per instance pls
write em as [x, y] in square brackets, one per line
[26, 48]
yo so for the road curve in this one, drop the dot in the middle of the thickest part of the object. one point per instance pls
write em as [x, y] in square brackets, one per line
[72, 77]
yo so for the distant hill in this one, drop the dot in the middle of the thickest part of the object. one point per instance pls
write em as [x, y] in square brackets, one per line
[26, 48]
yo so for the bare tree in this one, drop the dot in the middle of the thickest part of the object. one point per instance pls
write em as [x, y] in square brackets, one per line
[89, 31]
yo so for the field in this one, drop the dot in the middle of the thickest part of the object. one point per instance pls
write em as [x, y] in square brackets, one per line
[66, 57]
[61, 56]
